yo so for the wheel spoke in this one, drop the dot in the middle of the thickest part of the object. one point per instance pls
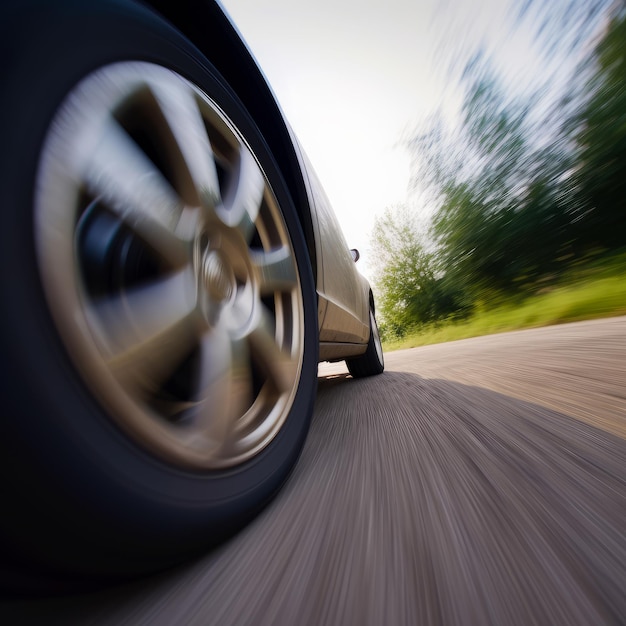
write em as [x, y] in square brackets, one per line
[145, 332]
[242, 201]
[182, 115]
[279, 365]
[226, 386]
[277, 270]
[149, 362]
[118, 171]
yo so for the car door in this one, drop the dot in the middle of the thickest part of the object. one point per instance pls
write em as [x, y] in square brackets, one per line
[343, 293]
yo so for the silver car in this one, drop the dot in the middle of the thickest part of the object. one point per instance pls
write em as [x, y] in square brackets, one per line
[172, 273]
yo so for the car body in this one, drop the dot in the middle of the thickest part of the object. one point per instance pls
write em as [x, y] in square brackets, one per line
[174, 272]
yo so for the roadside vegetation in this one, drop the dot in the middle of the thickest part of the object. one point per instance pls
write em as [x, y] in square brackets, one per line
[595, 293]
[529, 190]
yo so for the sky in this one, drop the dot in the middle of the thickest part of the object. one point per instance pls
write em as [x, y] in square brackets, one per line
[356, 77]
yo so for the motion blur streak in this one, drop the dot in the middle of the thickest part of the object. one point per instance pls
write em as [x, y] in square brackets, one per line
[432, 494]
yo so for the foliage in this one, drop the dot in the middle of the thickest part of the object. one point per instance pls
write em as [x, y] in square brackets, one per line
[503, 217]
[595, 293]
[601, 134]
[411, 291]
[526, 184]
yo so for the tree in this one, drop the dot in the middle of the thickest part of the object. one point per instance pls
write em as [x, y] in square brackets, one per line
[410, 290]
[528, 180]
[525, 182]
[601, 135]
[503, 199]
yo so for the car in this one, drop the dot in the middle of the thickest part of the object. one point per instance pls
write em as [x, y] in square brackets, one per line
[173, 273]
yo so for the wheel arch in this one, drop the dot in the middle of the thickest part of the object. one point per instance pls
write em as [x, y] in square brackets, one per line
[208, 27]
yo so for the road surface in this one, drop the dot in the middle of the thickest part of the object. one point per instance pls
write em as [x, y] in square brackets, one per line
[477, 482]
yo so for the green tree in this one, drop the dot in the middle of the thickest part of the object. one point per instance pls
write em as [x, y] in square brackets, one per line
[503, 200]
[601, 135]
[410, 290]
[525, 182]
[528, 180]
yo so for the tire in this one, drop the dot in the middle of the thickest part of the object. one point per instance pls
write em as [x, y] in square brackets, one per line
[372, 362]
[159, 317]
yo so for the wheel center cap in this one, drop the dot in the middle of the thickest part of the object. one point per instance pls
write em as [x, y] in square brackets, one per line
[217, 276]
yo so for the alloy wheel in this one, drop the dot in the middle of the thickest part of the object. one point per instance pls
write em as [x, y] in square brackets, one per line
[168, 267]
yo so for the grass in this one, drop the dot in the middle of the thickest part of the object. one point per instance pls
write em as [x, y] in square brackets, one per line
[593, 293]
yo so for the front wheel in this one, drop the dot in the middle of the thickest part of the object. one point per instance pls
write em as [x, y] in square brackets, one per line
[159, 319]
[372, 362]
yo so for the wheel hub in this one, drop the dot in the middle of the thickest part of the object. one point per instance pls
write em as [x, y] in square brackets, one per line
[218, 277]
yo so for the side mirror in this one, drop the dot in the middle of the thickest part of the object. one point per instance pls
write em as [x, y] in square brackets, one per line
[356, 255]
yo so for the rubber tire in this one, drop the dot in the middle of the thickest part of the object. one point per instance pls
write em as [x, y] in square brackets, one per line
[82, 503]
[369, 364]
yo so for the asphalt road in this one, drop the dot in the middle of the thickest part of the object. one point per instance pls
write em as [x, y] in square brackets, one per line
[476, 482]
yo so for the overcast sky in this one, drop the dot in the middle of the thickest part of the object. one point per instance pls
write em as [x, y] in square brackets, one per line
[355, 76]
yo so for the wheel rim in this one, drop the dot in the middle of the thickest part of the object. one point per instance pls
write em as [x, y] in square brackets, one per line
[168, 267]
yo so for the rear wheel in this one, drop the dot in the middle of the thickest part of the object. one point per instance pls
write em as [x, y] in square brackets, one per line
[161, 326]
[372, 362]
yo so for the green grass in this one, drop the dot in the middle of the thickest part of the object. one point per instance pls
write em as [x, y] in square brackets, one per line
[589, 295]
